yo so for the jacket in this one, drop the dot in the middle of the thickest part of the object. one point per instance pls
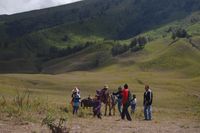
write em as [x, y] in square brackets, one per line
[118, 94]
[125, 96]
[148, 98]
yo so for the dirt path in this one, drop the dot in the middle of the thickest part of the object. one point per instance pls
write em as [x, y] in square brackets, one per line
[108, 125]
[115, 125]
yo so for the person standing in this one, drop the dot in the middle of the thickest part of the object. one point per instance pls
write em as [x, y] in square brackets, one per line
[76, 102]
[125, 103]
[147, 103]
[75, 92]
[133, 104]
[97, 106]
[119, 99]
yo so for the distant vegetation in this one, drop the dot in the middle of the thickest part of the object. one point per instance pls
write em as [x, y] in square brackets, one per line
[30, 41]
[55, 52]
[179, 33]
[137, 43]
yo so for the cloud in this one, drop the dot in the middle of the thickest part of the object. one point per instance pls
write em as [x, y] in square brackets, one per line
[16, 6]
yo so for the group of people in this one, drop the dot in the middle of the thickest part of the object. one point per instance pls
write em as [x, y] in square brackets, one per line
[124, 100]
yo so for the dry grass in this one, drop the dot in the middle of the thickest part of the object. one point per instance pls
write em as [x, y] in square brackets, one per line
[176, 92]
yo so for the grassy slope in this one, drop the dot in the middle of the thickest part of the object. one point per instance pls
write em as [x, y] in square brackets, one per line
[171, 70]
[54, 36]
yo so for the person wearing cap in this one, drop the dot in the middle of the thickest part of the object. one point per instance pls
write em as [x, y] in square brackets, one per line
[75, 92]
[125, 103]
[147, 103]
[119, 99]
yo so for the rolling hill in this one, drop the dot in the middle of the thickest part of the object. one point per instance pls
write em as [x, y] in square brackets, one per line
[75, 36]
[45, 53]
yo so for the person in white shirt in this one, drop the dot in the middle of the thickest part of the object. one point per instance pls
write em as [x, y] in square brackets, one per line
[133, 104]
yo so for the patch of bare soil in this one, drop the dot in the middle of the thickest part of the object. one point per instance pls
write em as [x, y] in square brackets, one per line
[108, 125]
[115, 125]
[21, 127]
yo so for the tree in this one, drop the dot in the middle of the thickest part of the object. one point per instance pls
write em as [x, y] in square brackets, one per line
[134, 43]
[173, 35]
[179, 33]
[138, 43]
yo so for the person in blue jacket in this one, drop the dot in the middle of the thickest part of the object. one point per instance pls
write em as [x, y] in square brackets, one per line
[76, 101]
[119, 99]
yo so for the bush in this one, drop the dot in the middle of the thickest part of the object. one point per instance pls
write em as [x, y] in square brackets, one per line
[55, 127]
[179, 33]
[138, 43]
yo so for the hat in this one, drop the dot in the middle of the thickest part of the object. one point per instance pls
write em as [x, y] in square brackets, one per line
[75, 89]
[106, 86]
[120, 88]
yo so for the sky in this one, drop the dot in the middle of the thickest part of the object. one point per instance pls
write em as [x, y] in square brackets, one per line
[16, 6]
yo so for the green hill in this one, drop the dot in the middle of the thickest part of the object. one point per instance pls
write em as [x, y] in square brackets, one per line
[75, 36]
[111, 18]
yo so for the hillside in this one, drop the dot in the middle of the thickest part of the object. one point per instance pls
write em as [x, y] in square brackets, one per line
[36, 41]
[171, 69]
[129, 17]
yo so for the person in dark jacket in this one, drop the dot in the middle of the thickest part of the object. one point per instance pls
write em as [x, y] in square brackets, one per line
[119, 99]
[125, 103]
[97, 107]
[147, 103]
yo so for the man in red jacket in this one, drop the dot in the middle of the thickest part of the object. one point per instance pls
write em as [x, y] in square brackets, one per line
[125, 102]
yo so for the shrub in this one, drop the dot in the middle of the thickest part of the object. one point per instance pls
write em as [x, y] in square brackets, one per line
[179, 33]
[138, 43]
[55, 127]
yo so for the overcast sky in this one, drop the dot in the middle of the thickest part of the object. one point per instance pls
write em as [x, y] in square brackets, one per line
[16, 6]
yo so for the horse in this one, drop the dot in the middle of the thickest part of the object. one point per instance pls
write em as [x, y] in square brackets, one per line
[87, 102]
[95, 103]
[108, 99]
